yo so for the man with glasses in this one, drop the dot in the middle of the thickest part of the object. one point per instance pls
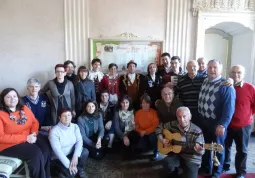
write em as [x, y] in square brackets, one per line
[61, 91]
[239, 129]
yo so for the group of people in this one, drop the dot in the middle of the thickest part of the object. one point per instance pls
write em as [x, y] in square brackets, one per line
[76, 116]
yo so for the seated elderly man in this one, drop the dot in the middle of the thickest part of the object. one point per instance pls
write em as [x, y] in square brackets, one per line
[166, 107]
[190, 157]
[39, 104]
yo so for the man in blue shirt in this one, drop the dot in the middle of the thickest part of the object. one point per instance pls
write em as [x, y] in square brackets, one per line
[216, 106]
[39, 104]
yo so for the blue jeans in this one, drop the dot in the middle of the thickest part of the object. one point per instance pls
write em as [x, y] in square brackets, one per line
[209, 127]
[241, 137]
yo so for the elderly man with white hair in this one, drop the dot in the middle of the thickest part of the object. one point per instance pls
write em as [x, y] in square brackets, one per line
[202, 66]
[39, 104]
[188, 88]
[216, 104]
[190, 157]
[239, 129]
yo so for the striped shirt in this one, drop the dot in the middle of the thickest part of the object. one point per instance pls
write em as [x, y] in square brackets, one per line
[192, 136]
[188, 90]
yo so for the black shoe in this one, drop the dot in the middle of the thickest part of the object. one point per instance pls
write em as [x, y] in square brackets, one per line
[226, 168]
[62, 176]
[253, 133]
[203, 170]
[155, 156]
[82, 174]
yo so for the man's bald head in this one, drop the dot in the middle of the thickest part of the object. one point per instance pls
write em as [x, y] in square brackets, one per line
[237, 73]
[167, 94]
[192, 67]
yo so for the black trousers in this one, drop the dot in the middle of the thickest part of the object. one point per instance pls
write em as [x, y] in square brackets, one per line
[93, 151]
[241, 137]
[173, 161]
[145, 143]
[36, 155]
[80, 166]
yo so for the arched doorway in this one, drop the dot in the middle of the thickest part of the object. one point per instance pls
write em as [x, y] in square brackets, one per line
[238, 31]
[232, 43]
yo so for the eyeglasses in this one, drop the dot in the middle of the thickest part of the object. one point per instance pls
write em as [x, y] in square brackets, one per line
[60, 72]
[239, 73]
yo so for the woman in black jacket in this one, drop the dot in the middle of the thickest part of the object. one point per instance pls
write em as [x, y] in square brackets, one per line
[153, 84]
[84, 89]
[92, 130]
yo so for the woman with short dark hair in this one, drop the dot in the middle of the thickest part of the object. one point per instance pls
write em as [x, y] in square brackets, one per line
[146, 121]
[62, 92]
[19, 135]
[69, 155]
[110, 82]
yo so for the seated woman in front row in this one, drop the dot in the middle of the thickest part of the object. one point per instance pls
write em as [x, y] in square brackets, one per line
[66, 142]
[19, 135]
[146, 121]
[92, 130]
[124, 125]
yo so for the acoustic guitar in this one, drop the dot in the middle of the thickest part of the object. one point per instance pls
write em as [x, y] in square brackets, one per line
[177, 142]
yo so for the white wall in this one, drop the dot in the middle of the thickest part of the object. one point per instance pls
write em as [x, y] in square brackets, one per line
[168, 20]
[216, 47]
[31, 41]
[32, 38]
[112, 17]
[241, 53]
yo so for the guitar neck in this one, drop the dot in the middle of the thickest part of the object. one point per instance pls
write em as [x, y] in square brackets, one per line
[176, 142]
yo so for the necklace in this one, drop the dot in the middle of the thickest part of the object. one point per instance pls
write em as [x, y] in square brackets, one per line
[22, 120]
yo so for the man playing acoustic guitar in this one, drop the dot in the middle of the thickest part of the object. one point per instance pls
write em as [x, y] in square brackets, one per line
[190, 155]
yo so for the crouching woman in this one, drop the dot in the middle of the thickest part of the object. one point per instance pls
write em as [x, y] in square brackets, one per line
[92, 130]
[67, 145]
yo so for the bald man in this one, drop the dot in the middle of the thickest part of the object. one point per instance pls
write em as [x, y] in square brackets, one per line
[188, 88]
[239, 129]
[167, 106]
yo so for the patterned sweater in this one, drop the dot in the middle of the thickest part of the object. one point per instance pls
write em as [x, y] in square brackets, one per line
[217, 102]
[192, 136]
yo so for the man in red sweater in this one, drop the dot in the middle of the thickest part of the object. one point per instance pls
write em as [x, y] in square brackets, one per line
[239, 129]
